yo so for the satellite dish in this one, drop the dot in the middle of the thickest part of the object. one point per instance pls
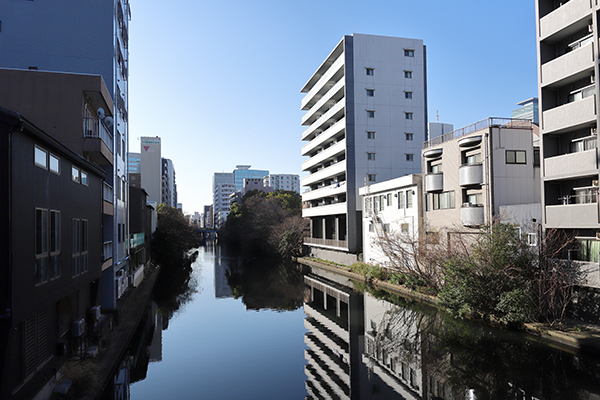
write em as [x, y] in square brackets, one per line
[100, 112]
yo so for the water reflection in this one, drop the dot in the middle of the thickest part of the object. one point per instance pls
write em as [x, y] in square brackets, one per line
[371, 345]
[350, 342]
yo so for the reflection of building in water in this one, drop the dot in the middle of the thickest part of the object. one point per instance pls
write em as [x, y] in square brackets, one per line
[155, 346]
[334, 339]
[222, 289]
[393, 348]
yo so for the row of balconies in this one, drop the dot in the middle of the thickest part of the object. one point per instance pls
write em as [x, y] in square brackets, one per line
[469, 175]
[569, 17]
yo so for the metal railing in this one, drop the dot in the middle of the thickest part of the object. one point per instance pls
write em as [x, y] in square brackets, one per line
[107, 193]
[327, 242]
[509, 123]
[94, 128]
[584, 198]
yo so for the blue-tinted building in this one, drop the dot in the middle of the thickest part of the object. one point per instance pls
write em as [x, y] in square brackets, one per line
[529, 110]
[243, 171]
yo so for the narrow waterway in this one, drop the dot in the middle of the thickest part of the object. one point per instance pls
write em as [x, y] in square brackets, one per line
[257, 330]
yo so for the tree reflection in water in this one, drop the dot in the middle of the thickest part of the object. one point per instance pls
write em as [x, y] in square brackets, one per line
[175, 285]
[444, 358]
[266, 283]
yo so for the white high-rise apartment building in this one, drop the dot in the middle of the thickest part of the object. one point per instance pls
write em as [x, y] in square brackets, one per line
[86, 37]
[567, 38]
[283, 182]
[366, 118]
[221, 202]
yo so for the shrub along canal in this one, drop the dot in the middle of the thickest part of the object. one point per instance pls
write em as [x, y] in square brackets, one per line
[239, 329]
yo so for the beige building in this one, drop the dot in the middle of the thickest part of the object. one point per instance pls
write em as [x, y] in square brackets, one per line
[470, 173]
[151, 168]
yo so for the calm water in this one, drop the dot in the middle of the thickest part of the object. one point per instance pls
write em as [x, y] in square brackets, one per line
[254, 330]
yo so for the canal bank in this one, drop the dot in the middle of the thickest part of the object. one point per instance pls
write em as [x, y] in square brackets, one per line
[94, 373]
[577, 335]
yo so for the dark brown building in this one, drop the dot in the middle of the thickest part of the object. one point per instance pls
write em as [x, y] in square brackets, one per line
[51, 236]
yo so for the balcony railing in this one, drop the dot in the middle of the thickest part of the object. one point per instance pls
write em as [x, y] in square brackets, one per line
[586, 196]
[107, 193]
[94, 128]
[510, 123]
[327, 242]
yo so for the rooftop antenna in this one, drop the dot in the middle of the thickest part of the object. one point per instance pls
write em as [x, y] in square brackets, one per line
[437, 112]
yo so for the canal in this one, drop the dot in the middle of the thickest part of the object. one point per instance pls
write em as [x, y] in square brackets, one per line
[237, 329]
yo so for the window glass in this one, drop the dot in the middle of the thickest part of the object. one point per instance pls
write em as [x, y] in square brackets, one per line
[408, 74]
[41, 157]
[370, 135]
[409, 136]
[370, 71]
[370, 156]
[370, 93]
[400, 200]
[75, 174]
[54, 164]
[84, 178]
[408, 115]
[410, 157]
[408, 95]
[409, 53]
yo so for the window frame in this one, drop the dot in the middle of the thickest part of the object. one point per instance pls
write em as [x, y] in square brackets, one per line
[408, 115]
[410, 157]
[370, 71]
[370, 92]
[35, 157]
[371, 156]
[408, 95]
[408, 136]
[370, 134]
[370, 113]
[514, 155]
[372, 177]
[408, 74]
[409, 52]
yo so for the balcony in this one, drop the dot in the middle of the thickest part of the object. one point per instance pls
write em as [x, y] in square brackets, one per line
[333, 95]
[472, 215]
[330, 152]
[340, 244]
[329, 172]
[569, 67]
[309, 98]
[323, 120]
[573, 216]
[327, 209]
[471, 174]
[565, 20]
[571, 165]
[434, 182]
[578, 113]
[107, 252]
[324, 136]
[327, 191]
[97, 141]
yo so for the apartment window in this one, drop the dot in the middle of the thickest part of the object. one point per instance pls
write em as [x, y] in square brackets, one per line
[400, 200]
[409, 198]
[54, 164]
[410, 157]
[41, 157]
[75, 174]
[516, 157]
[54, 267]
[404, 228]
[370, 71]
[536, 157]
[474, 199]
[370, 113]
[408, 115]
[386, 227]
[41, 246]
[370, 134]
[408, 95]
[80, 246]
[370, 156]
[439, 201]
[372, 177]
[409, 136]
[84, 178]
[409, 53]
[389, 199]
[473, 159]
[408, 74]
[370, 92]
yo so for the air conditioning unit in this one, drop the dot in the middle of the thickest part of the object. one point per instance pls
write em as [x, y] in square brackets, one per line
[96, 313]
[78, 328]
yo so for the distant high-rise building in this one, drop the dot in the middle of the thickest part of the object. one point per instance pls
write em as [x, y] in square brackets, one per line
[529, 110]
[437, 129]
[283, 182]
[169, 185]
[221, 202]
[366, 116]
[243, 171]
[134, 163]
[151, 168]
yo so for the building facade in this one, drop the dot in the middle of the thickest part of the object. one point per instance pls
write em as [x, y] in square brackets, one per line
[169, 184]
[567, 50]
[283, 182]
[52, 253]
[366, 114]
[242, 172]
[221, 203]
[392, 210]
[85, 38]
[473, 171]
[151, 168]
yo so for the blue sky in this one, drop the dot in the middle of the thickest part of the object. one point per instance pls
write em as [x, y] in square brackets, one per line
[220, 82]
